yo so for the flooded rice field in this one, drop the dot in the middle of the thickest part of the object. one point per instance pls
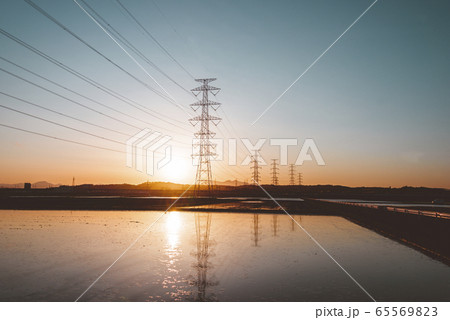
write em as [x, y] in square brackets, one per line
[188, 256]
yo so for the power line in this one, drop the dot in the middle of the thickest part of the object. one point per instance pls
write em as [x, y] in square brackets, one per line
[232, 132]
[130, 56]
[179, 35]
[87, 98]
[73, 101]
[121, 38]
[61, 139]
[154, 39]
[68, 116]
[60, 125]
[68, 140]
[68, 99]
[162, 14]
[230, 169]
[64, 115]
[47, 15]
[83, 77]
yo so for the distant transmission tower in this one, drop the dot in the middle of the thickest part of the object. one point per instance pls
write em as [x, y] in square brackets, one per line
[291, 174]
[255, 169]
[300, 179]
[274, 171]
[204, 146]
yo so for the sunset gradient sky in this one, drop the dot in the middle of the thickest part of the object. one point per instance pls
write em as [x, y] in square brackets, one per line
[377, 104]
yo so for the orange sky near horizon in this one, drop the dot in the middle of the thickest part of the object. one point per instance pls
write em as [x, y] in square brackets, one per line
[61, 162]
[376, 104]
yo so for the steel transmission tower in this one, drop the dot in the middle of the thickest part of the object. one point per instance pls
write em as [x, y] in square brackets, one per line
[300, 179]
[255, 169]
[274, 171]
[291, 174]
[204, 146]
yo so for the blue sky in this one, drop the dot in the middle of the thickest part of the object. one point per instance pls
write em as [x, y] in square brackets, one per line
[376, 104]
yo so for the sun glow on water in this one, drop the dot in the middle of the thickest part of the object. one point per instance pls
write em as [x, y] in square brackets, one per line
[173, 225]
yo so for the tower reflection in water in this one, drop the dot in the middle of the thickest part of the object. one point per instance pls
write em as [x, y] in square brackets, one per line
[275, 225]
[293, 220]
[204, 250]
[257, 227]
[256, 234]
[202, 254]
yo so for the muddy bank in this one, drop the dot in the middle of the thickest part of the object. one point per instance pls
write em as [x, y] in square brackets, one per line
[427, 234]
[96, 203]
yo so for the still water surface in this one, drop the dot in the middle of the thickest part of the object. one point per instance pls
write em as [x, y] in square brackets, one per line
[56, 255]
